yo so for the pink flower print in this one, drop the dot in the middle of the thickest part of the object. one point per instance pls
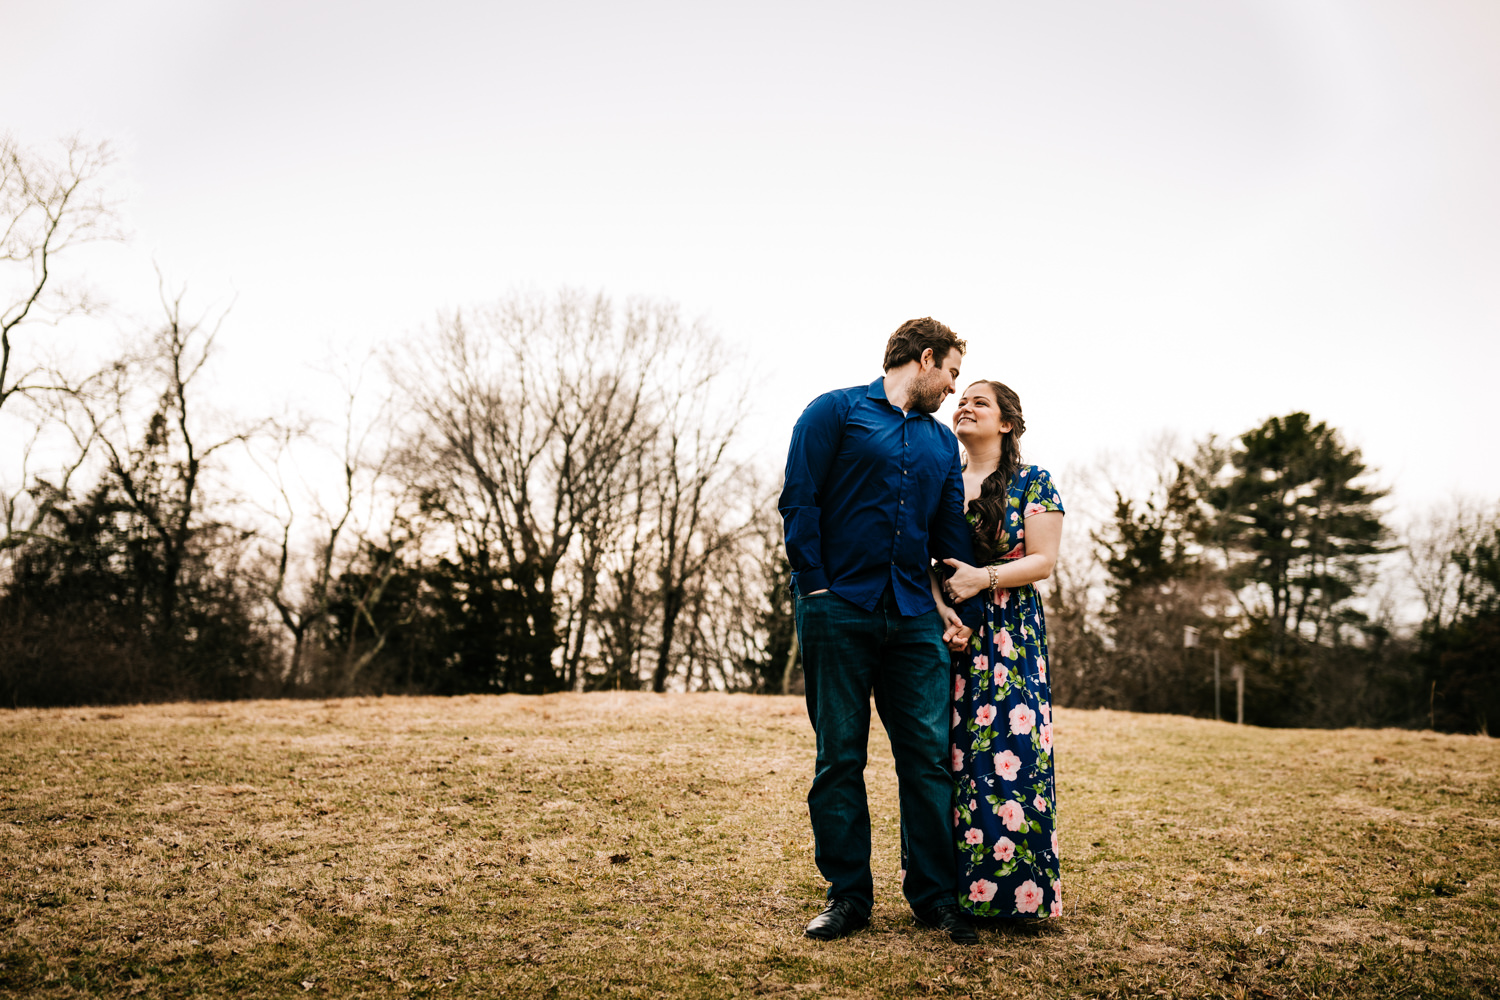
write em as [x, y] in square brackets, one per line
[981, 662]
[1002, 596]
[1006, 643]
[1057, 907]
[1041, 670]
[1005, 849]
[1008, 765]
[1055, 852]
[1012, 815]
[985, 714]
[958, 759]
[958, 688]
[982, 891]
[973, 804]
[1034, 508]
[1028, 897]
[1020, 532]
[1022, 719]
[973, 835]
[1046, 711]
[1045, 738]
[956, 719]
[956, 819]
[1017, 552]
[1039, 804]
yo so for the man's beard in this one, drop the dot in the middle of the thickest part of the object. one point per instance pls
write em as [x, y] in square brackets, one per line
[925, 397]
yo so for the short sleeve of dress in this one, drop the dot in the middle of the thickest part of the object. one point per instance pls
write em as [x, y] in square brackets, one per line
[1041, 495]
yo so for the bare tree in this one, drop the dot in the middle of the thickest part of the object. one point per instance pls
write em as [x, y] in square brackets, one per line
[737, 620]
[358, 535]
[158, 458]
[362, 541]
[24, 508]
[533, 409]
[47, 207]
[625, 603]
[1439, 552]
[691, 482]
[605, 495]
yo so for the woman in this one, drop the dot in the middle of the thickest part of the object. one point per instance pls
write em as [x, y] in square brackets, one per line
[1005, 809]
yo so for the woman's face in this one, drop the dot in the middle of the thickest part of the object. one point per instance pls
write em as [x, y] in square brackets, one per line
[978, 415]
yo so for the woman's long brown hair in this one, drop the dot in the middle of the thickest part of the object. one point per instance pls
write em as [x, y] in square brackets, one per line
[990, 504]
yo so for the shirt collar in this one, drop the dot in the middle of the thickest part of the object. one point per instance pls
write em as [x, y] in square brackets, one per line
[877, 391]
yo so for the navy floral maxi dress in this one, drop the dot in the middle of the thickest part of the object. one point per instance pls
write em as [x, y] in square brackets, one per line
[1005, 804]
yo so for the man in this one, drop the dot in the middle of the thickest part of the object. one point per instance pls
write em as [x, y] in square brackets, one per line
[874, 493]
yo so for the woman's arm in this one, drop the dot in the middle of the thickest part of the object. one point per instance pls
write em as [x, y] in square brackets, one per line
[1043, 535]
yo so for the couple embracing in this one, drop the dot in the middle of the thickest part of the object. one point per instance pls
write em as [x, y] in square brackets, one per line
[913, 564]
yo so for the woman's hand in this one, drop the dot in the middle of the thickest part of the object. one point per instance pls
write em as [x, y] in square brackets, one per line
[966, 580]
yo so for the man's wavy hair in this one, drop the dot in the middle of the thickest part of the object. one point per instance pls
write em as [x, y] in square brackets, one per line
[917, 335]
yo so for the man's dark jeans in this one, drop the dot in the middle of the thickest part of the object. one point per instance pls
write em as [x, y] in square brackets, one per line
[848, 653]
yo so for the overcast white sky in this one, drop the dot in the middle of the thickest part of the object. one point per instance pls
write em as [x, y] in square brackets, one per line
[1143, 215]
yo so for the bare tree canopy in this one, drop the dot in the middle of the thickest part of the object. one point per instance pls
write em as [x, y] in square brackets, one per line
[569, 441]
[47, 206]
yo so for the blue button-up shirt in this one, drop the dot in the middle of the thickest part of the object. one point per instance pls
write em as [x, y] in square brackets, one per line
[872, 495]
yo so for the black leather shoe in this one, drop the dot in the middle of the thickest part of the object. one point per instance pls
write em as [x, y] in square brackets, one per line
[950, 920]
[839, 918]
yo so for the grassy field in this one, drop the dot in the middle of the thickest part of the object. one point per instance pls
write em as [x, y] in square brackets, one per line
[639, 845]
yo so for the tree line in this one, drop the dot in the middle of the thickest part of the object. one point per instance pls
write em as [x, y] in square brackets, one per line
[538, 495]
[1272, 551]
[547, 493]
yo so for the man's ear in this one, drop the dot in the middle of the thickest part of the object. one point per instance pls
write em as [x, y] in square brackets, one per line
[927, 360]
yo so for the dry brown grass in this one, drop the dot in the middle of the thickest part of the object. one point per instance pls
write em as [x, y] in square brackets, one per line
[643, 845]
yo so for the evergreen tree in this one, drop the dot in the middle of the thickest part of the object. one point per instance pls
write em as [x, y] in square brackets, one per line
[1297, 527]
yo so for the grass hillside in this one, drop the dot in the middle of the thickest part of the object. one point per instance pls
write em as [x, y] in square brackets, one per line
[638, 845]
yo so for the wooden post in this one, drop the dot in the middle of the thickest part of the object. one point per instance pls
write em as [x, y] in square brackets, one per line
[1217, 715]
[1239, 694]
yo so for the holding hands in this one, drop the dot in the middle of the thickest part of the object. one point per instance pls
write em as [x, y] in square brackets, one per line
[956, 634]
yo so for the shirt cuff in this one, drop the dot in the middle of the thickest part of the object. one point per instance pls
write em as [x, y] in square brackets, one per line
[810, 580]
